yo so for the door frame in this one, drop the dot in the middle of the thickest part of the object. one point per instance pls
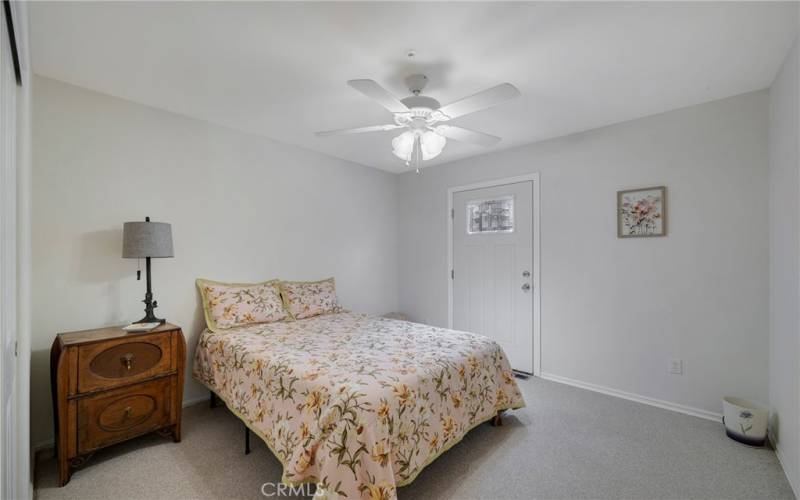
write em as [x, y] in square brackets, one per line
[8, 265]
[535, 246]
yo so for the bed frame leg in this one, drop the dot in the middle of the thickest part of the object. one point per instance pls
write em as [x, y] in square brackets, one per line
[246, 440]
[212, 401]
[497, 421]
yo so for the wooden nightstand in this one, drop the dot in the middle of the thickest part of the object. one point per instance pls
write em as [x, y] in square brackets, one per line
[110, 386]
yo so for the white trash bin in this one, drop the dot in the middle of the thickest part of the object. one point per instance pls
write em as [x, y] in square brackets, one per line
[744, 421]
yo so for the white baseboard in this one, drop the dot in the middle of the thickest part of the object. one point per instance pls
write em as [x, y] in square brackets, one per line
[49, 444]
[659, 403]
[789, 478]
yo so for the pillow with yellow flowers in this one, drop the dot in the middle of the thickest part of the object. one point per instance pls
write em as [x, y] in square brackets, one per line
[228, 305]
[304, 299]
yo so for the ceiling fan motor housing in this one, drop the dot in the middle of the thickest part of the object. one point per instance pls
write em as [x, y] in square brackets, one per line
[421, 101]
[416, 83]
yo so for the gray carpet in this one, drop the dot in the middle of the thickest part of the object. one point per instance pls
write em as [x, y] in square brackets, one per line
[567, 443]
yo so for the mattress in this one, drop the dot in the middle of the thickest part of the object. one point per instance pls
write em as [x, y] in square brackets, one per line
[356, 404]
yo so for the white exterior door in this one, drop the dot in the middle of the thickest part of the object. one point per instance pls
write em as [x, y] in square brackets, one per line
[493, 283]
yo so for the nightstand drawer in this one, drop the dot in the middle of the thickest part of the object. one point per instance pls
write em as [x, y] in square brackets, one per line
[123, 361]
[115, 416]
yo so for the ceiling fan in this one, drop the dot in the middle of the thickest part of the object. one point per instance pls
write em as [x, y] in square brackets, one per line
[425, 120]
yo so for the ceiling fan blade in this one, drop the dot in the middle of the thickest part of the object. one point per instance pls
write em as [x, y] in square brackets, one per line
[465, 135]
[360, 130]
[374, 91]
[481, 100]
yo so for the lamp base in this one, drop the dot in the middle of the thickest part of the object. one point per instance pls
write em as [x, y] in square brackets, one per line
[149, 303]
[152, 319]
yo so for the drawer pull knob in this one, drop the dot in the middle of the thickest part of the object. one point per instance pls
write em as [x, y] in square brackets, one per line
[127, 412]
[127, 360]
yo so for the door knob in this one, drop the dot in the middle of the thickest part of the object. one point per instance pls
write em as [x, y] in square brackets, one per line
[526, 286]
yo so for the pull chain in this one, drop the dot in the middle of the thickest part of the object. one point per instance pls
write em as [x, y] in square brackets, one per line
[138, 269]
[416, 153]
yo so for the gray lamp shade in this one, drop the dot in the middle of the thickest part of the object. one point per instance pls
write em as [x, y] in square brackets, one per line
[146, 239]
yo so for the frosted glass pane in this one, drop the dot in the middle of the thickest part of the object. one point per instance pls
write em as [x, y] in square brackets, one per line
[491, 216]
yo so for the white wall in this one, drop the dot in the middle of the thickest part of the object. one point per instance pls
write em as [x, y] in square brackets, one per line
[242, 208]
[615, 311]
[784, 272]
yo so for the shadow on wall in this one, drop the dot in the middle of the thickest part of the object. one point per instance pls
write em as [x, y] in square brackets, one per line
[99, 261]
[192, 331]
[774, 428]
[41, 404]
[193, 390]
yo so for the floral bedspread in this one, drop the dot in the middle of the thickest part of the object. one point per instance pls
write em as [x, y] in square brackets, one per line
[357, 404]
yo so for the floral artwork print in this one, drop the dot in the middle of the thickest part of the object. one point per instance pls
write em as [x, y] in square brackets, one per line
[641, 212]
[307, 299]
[356, 404]
[229, 305]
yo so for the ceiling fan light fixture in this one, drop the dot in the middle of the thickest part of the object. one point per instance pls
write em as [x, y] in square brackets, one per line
[403, 144]
[431, 144]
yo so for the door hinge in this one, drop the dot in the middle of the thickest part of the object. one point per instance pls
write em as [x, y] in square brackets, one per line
[452, 274]
[15, 348]
[452, 213]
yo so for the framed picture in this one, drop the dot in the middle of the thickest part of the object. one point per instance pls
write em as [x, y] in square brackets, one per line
[642, 212]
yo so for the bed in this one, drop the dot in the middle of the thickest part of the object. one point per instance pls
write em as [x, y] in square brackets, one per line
[356, 404]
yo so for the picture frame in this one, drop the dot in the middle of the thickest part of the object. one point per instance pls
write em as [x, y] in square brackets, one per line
[642, 212]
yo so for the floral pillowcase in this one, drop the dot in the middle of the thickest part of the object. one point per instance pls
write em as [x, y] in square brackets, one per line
[227, 305]
[304, 299]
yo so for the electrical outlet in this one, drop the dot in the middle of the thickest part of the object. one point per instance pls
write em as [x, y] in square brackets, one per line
[676, 366]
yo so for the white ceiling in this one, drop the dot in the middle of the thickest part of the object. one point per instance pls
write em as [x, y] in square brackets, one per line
[279, 69]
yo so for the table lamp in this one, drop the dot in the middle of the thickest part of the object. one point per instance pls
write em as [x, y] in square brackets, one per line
[147, 240]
